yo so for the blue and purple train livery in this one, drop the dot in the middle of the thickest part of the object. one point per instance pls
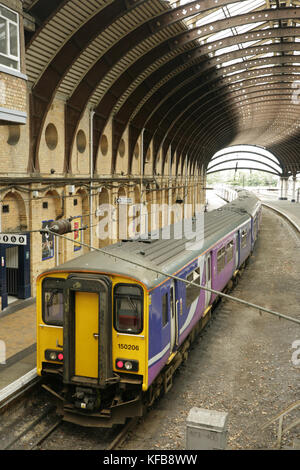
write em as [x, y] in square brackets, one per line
[114, 325]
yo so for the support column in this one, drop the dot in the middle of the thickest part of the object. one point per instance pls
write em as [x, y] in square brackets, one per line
[294, 188]
[283, 188]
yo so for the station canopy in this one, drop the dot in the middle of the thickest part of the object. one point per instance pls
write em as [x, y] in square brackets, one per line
[193, 76]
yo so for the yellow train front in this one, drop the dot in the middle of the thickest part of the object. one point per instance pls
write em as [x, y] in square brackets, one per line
[91, 343]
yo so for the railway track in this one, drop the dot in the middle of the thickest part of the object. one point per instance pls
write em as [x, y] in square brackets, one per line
[26, 437]
[34, 428]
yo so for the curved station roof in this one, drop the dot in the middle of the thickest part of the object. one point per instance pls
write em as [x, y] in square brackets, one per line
[194, 75]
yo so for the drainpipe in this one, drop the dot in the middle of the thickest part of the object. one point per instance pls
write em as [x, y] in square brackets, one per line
[294, 188]
[142, 161]
[91, 176]
[141, 210]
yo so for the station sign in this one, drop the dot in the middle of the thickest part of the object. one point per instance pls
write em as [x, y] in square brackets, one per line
[13, 239]
[123, 200]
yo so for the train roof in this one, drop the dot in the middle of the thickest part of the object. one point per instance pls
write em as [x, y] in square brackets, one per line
[166, 255]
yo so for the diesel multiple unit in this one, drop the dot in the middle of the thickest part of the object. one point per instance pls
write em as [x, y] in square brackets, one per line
[112, 332]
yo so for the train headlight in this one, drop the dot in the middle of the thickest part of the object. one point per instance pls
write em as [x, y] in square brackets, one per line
[125, 364]
[52, 355]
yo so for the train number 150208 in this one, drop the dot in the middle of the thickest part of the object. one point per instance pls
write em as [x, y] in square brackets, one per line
[130, 347]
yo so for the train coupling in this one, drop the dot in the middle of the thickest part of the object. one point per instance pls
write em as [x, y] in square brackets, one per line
[86, 399]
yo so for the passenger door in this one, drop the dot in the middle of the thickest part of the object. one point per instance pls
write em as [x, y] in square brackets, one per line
[173, 317]
[207, 280]
[237, 250]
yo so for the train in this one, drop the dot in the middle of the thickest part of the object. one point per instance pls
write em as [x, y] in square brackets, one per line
[114, 325]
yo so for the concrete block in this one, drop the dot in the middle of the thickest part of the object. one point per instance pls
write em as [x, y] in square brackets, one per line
[206, 429]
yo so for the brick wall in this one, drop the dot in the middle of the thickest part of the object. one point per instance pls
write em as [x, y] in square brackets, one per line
[13, 92]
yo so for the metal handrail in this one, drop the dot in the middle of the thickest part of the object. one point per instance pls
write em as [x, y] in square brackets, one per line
[280, 418]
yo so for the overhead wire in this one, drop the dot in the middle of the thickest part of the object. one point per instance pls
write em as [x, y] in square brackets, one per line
[185, 281]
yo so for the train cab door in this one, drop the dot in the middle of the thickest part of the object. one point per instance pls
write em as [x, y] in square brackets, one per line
[173, 318]
[86, 334]
[87, 329]
[207, 280]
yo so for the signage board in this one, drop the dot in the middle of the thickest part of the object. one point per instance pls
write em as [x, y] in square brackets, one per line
[123, 200]
[13, 239]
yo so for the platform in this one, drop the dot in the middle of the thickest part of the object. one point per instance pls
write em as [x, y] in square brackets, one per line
[290, 209]
[213, 201]
[18, 332]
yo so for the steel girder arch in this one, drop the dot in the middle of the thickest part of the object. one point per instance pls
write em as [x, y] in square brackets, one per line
[41, 10]
[243, 159]
[209, 146]
[113, 95]
[231, 152]
[172, 11]
[258, 91]
[133, 142]
[290, 156]
[265, 15]
[221, 108]
[153, 110]
[158, 115]
[152, 81]
[80, 97]
[242, 168]
[290, 147]
[43, 91]
[131, 103]
[220, 124]
[177, 129]
[215, 103]
[188, 121]
[258, 72]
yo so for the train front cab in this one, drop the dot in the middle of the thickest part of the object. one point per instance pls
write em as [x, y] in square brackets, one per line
[91, 336]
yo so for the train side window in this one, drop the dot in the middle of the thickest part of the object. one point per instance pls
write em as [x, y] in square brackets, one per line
[165, 303]
[221, 260]
[192, 292]
[229, 252]
[244, 239]
[128, 305]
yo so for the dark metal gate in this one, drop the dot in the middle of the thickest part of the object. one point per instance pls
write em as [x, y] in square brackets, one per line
[15, 270]
[12, 270]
